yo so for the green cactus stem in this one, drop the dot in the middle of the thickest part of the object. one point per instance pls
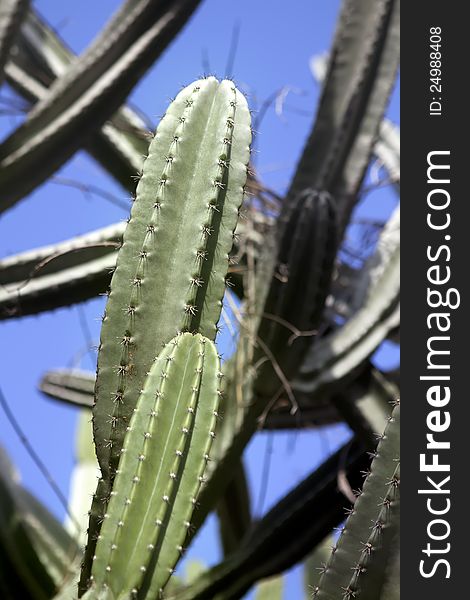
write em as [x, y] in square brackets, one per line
[299, 287]
[162, 465]
[358, 564]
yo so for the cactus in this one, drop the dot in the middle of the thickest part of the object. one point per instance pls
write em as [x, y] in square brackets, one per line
[191, 190]
[188, 160]
[161, 469]
[307, 319]
[357, 566]
[306, 254]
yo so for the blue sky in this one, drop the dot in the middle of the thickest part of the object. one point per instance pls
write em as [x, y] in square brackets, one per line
[276, 42]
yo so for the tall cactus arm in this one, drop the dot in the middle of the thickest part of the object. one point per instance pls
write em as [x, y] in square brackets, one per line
[299, 288]
[176, 246]
[170, 273]
[163, 459]
[357, 566]
[360, 75]
[58, 136]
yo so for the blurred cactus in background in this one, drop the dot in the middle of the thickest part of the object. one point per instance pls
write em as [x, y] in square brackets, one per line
[170, 419]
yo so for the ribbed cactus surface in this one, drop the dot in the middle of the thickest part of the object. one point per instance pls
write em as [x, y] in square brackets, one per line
[359, 563]
[299, 287]
[171, 268]
[160, 471]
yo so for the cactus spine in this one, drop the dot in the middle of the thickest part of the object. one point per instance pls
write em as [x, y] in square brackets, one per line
[171, 268]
